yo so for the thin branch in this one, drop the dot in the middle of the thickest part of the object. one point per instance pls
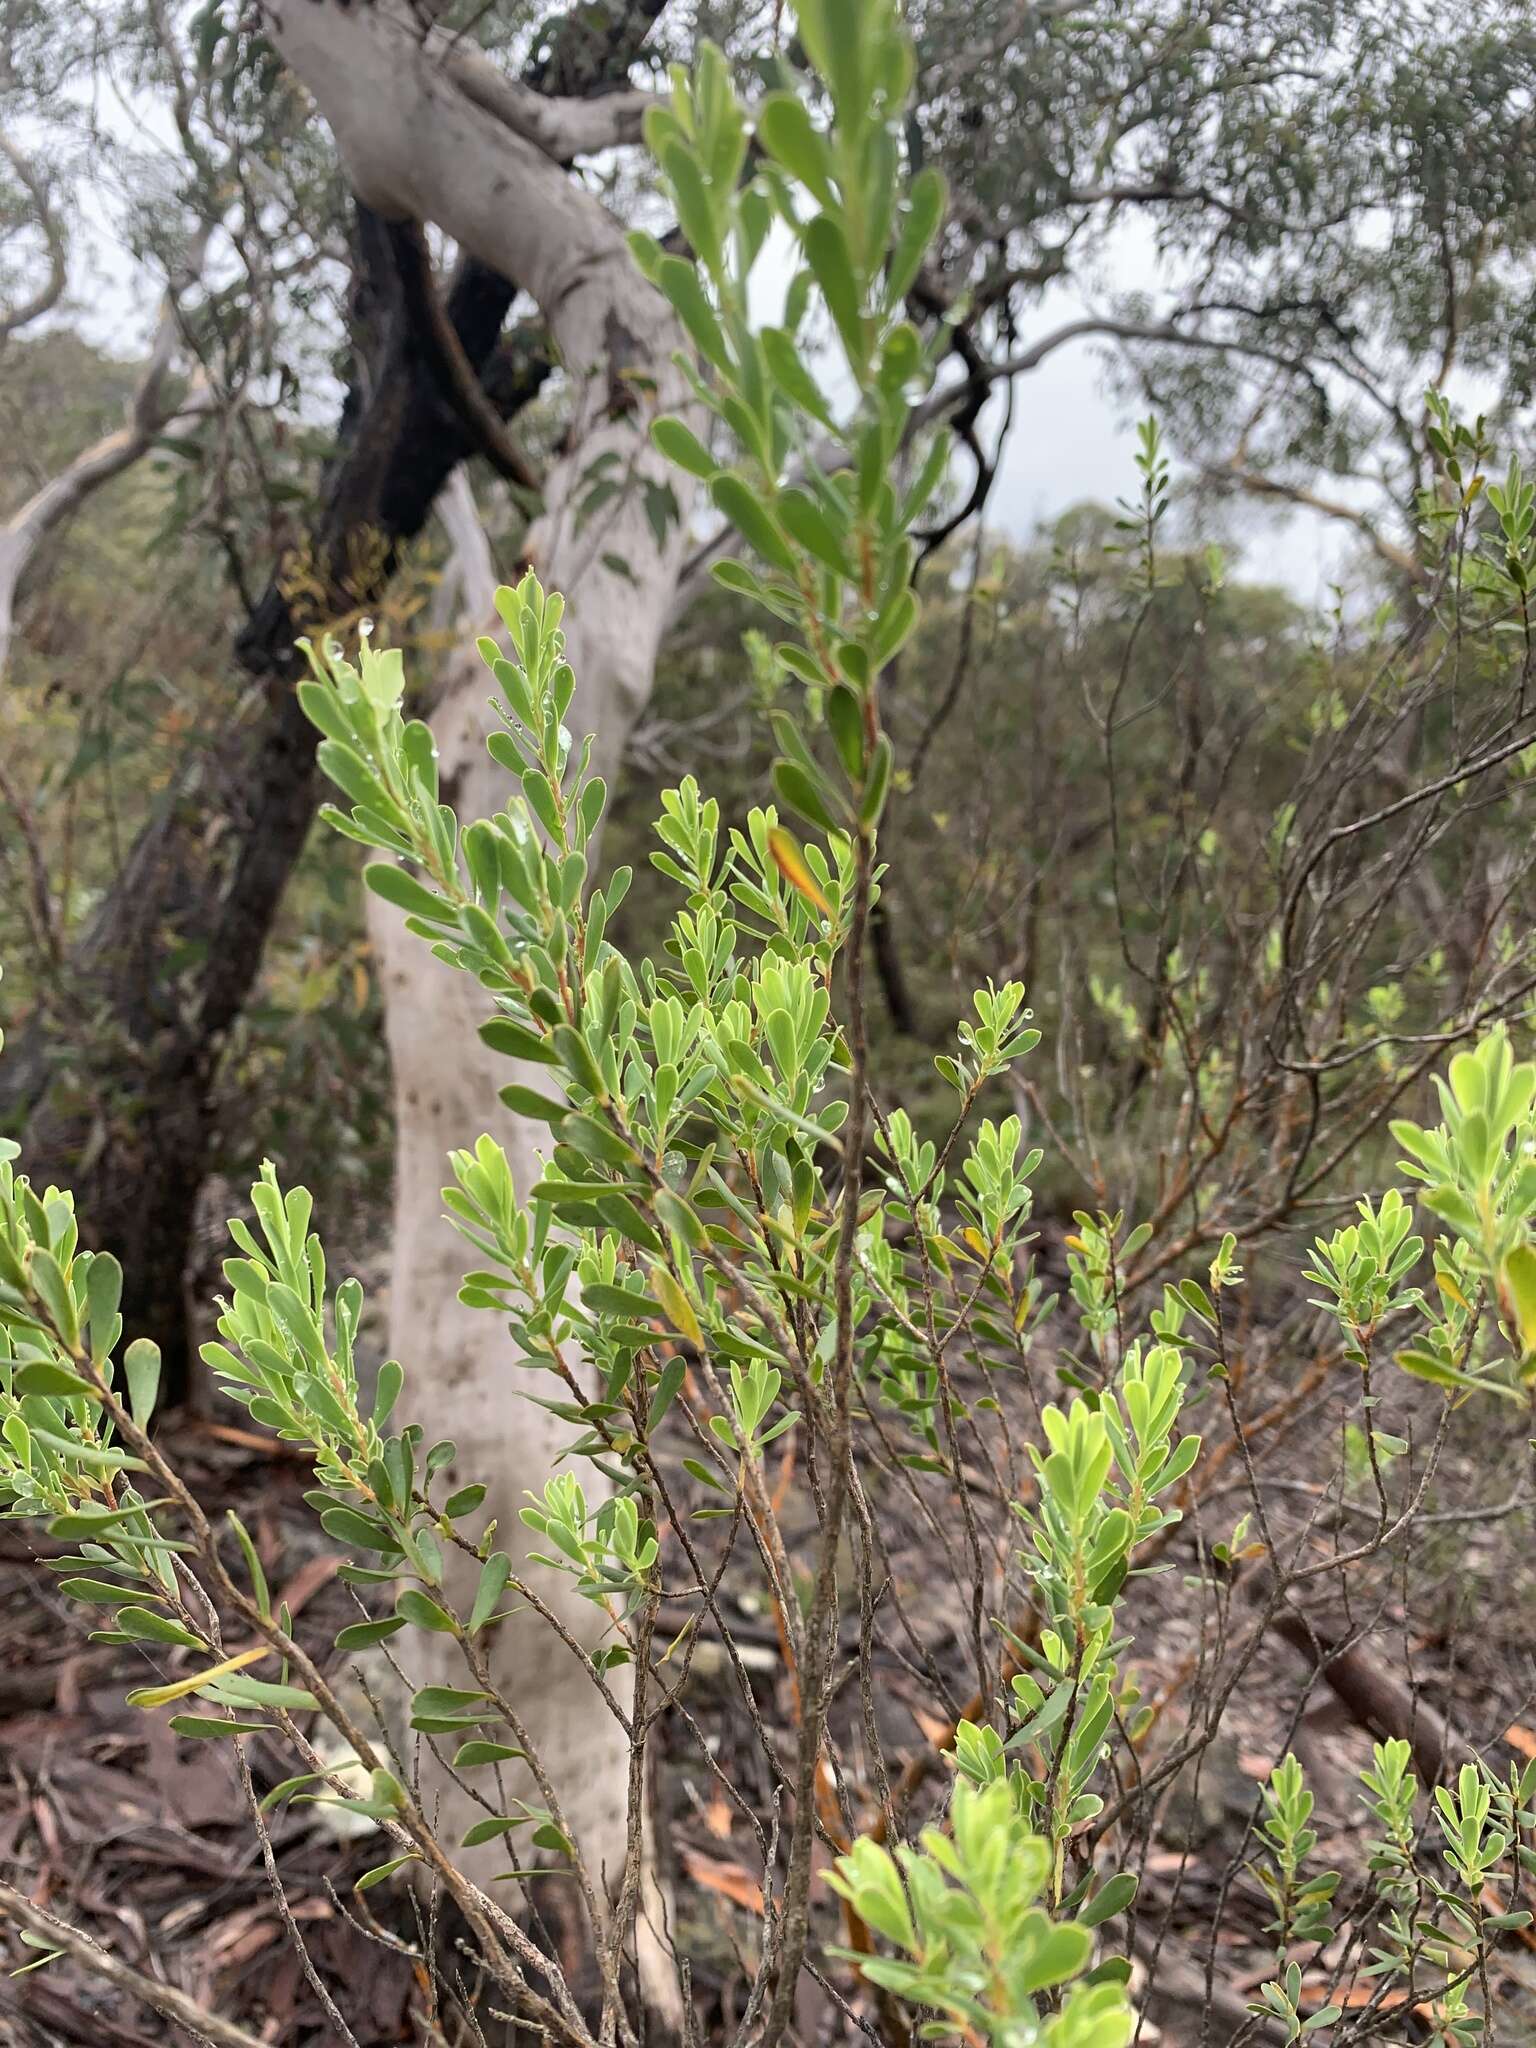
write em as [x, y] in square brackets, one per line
[51, 290]
[1258, 485]
[80, 1948]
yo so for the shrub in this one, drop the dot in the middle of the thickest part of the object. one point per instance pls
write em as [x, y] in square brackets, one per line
[736, 1242]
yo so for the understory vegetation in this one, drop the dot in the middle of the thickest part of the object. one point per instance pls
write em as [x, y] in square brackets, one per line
[1032, 1244]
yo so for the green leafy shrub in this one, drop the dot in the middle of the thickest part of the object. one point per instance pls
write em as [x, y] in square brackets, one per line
[734, 1238]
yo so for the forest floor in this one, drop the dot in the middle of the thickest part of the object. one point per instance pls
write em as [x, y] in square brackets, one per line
[145, 1841]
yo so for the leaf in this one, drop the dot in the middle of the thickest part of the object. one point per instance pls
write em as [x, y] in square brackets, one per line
[488, 1830]
[800, 791]
[257, 1576]
[183, 1688]
[103, 1297]
[668, 1380]
[920, 221]
[471, 1754]
[681, 445]
[362, 1635]
[146, 1626]
[727, 1880]
[44, 1376]
[831, 260]
[740, 505]
[1112, 1897]
[421, 1612]
[141, 1369]
[1520, 1284]
[529, 1103]
[214, 1727]
[790, 862]
[436, 1700]
[403, 890]
[804, 521]
[1424, 1365]
[878, 781]
[677, 1306]
[494, 1574]
[679, 1218]
[785, 130]
[380, 1871]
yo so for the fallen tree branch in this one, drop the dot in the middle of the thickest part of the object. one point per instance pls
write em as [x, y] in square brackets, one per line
[1378, 1699]
[90, 1955]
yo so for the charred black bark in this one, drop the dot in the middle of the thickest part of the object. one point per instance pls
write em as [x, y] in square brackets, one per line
[114, 1083]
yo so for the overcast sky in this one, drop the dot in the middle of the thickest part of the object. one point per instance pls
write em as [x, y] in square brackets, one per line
[1071, 440]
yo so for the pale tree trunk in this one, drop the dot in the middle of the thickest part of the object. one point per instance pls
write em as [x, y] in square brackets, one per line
[437, 136]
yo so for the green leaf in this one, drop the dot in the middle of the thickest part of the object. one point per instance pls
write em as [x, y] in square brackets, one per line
[920, 221]
[680, 282]
[537, 1108]
[146, 1626]
[1520, 1284]
[1112, 1897]
[681, 445]
[347, 1525]
[141, 1369]
[878, 781]
[474, 1753]
[786, 131]
[253, 1568]
[489, 1830]
[402, 889]
[740, 505]
[58, 1382]
[214, 1727]
[362, 1635]
[494, 1574]
[678, 1217]
[805, 522]
[103, 1298]
[803, 794]
[788, 371]
[831, 261]
[421, 1612]
[517, 1041]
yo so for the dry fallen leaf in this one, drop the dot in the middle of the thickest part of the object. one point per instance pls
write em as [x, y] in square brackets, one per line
[731, 1880]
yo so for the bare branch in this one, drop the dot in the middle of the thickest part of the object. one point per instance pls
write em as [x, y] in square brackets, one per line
[80, 1948]
[150, 415]
[51, 290]
[1259, 485]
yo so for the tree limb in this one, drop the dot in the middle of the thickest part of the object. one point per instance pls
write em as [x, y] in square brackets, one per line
[1236, 475]
[80, 1948]
[150, 415]
[561, 128]
[445, 357]
[51, 290]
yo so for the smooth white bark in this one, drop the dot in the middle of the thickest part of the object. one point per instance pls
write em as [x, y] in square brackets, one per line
[416, 142]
